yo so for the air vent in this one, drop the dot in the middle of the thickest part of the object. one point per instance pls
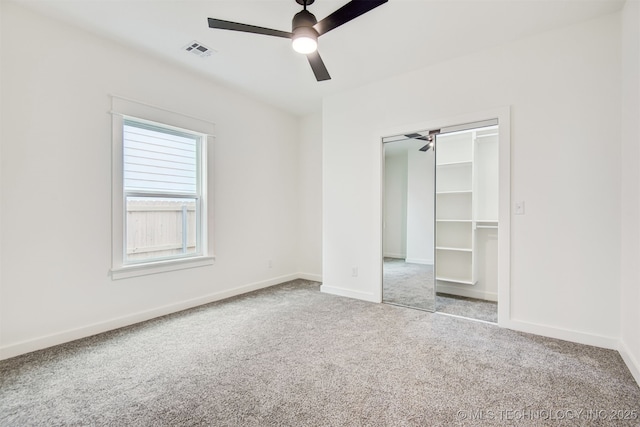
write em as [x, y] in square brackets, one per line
[198, 49]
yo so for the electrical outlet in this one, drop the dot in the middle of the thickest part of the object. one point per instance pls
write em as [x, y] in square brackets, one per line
[270, 264]
[354, 271]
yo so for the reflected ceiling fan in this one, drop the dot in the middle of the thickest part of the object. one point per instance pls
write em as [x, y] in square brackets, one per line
[306, 29]
[430, 138]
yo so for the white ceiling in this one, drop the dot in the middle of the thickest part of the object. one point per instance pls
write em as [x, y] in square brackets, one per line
[397, 37]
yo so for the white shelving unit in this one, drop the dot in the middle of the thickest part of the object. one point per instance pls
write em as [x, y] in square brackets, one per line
[466, 190]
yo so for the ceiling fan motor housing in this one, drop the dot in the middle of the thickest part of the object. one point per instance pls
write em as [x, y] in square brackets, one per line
[304, 18]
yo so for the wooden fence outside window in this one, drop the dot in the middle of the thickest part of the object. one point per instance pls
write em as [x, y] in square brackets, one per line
[159, 228]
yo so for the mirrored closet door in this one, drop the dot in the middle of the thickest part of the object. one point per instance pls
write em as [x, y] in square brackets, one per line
[408, 222]
[440, 220]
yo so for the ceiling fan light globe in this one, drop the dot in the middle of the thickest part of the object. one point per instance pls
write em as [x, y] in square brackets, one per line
[304, 44]
[305, 40]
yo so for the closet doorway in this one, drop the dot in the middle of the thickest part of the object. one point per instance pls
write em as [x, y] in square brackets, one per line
[440, 220]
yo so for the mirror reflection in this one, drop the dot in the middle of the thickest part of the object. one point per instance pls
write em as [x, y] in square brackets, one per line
[408, 223]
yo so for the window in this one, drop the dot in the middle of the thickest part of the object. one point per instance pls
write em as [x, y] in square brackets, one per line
[159, 196]
[162, 192]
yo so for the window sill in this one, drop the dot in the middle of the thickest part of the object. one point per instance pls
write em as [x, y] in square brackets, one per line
[160, 267]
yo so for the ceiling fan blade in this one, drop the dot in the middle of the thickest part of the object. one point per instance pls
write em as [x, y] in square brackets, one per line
[422, 138]
[346, 13]
[235, 26]
[417, 136]
[318, 67]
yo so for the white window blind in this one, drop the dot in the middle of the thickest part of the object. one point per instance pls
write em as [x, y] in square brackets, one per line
[159, 160]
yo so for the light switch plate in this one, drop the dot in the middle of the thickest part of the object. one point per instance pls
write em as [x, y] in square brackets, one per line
[519, 210]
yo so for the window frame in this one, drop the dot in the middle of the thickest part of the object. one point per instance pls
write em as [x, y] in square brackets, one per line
[128, 110]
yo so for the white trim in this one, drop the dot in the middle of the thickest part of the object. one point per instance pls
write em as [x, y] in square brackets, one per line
[310, 276]
[632, 363]
[117, 192]
[135, 270]
[379, 219]
[58, 338]
[397, 256]
[466, 292]
[562, 334]
[504, 215]
[468, 126]
[141, 109]
[343, 292]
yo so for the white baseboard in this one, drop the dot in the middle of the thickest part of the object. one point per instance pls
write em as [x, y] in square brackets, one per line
[310, 276]
[335, 290]
[57, 338]
[559, 333]
[469, 293]
[399, 256]
[419, 261]
[632, 363]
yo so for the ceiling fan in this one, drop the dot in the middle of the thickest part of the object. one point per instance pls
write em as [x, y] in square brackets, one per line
[306, 29]
[430, 138]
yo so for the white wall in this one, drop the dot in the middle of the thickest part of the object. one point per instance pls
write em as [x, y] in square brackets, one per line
[408, 202]
[564, 92]
[630, 218]
[310, 198]
[420, 206]
[395, 205]
[56, 175]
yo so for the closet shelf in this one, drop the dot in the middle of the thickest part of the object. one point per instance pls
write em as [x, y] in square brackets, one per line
[449, 248]
[455, 192]
[453, 220]
[487, 223]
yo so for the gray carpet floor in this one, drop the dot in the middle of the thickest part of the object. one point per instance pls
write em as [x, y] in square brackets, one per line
[408, 284]
[471, 308]
[411, 285]
[292, 356]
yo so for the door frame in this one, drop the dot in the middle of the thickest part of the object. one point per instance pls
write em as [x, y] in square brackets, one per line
[503, 114]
